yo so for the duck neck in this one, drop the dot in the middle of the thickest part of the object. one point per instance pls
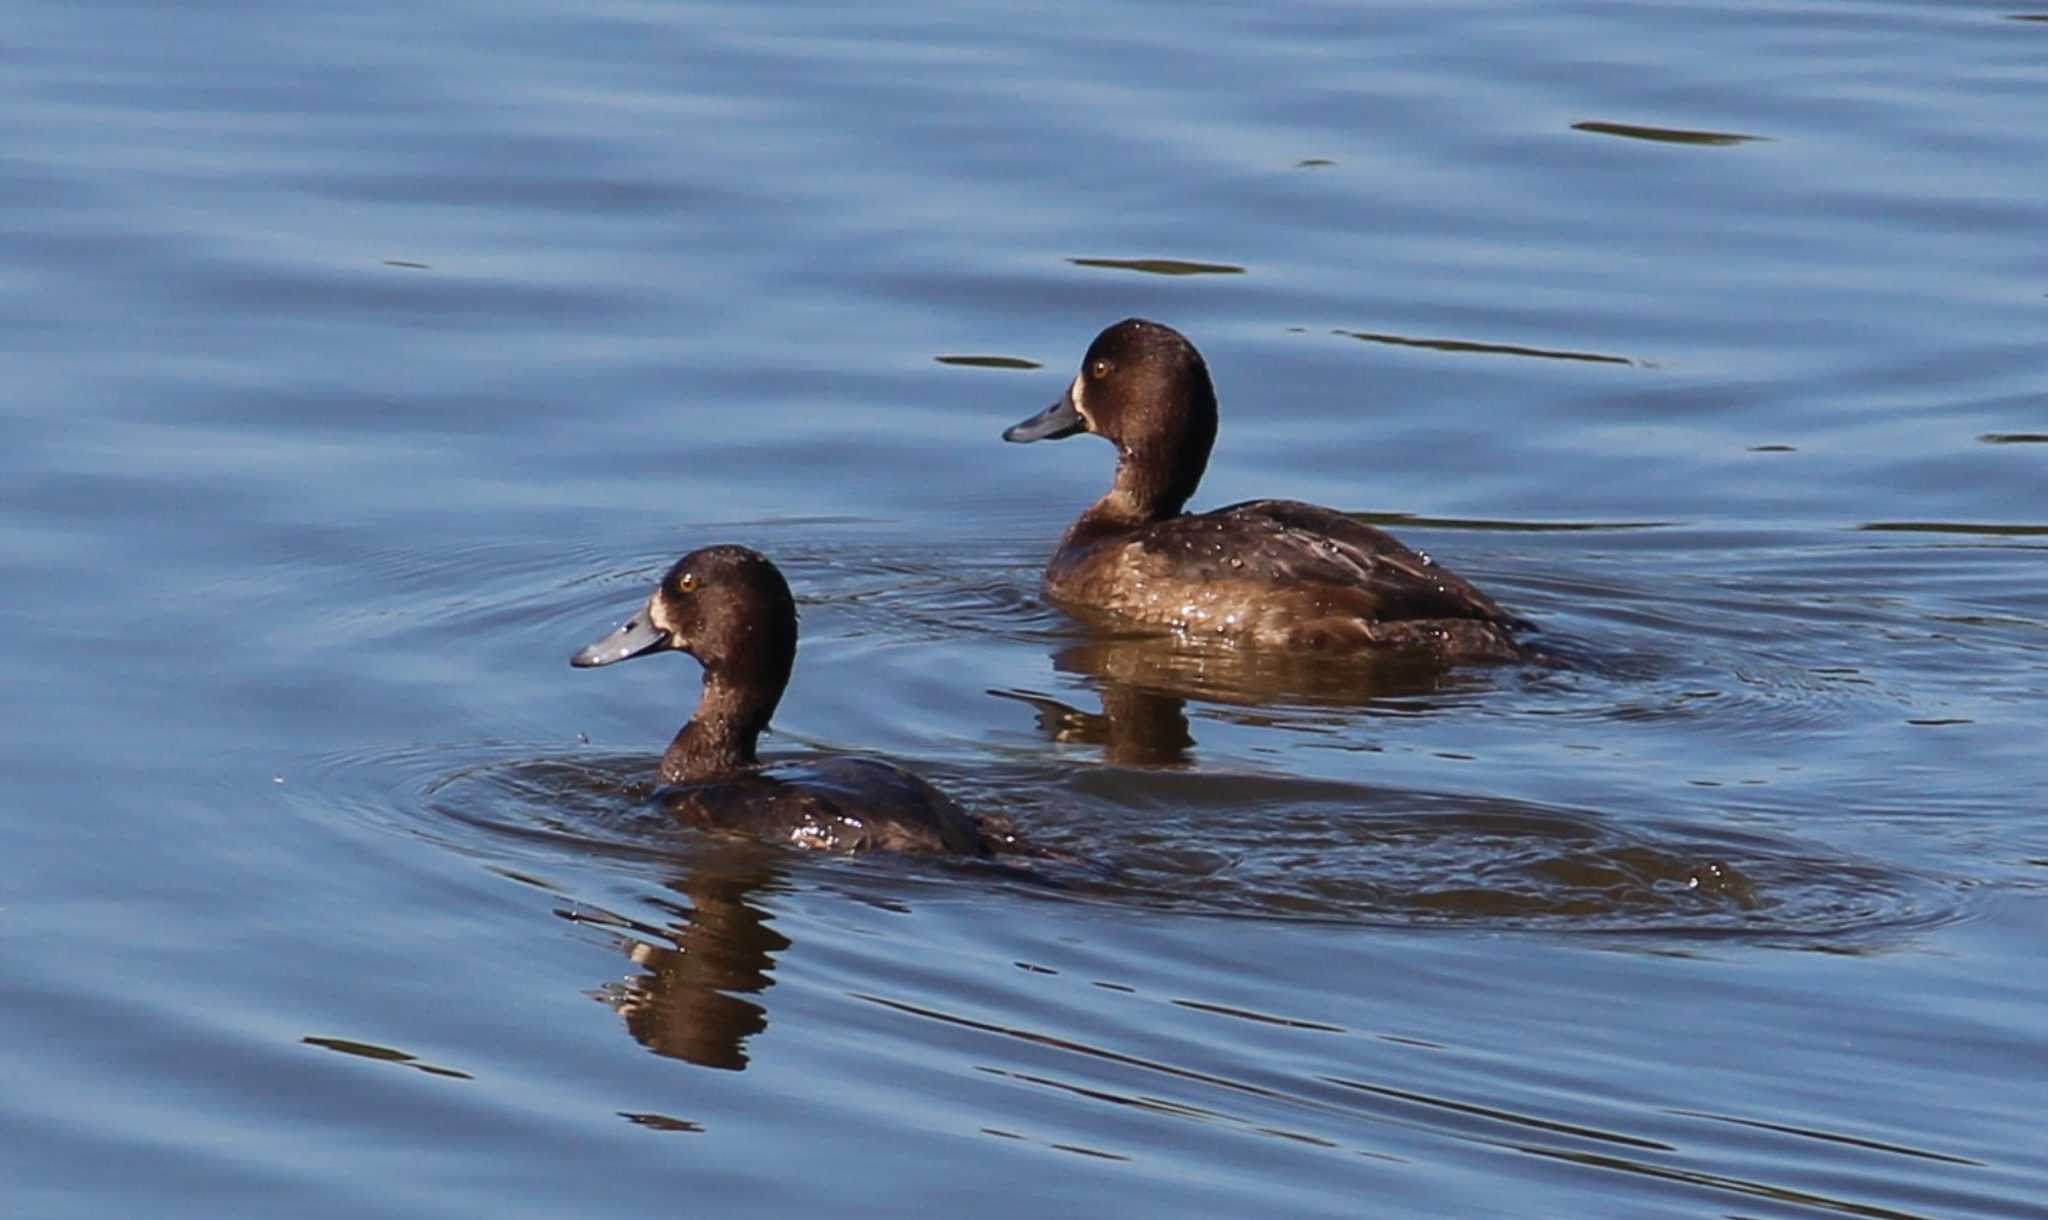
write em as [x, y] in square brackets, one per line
[1147, 489]
[720, 736]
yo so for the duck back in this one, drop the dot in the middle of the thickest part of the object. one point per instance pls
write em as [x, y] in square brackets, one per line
[843, 804]
[1281, 574]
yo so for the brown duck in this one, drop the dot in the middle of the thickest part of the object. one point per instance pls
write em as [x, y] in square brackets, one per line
[1276, 574]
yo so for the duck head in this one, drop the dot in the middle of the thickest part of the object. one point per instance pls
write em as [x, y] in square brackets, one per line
[1144, 388]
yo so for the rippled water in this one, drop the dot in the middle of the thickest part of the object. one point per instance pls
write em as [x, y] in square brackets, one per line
[367, 361]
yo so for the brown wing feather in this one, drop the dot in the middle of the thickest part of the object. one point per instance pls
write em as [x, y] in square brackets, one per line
[1285, 543]
[1285, 574]
[1407, 583]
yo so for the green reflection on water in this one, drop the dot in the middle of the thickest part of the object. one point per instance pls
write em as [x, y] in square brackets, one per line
[989, 362]
[1491, 349]
[1481, 523]
[1160, 266]
[1953, 527]
[1667, 135]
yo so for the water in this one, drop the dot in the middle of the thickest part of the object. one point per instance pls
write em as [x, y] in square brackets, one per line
[364, 362]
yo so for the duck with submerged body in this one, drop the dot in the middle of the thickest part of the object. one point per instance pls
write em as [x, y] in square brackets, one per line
[730, 608]
[1275, 574]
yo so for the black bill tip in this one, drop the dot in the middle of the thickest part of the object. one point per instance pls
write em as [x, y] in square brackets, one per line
[1058, 420]
[636, 637]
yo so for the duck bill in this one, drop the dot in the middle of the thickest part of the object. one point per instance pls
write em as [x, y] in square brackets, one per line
[638, 637]
[1061, 419]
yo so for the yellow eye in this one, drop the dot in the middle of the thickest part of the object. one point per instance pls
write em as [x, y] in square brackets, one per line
[1099, 369]
[687, 582]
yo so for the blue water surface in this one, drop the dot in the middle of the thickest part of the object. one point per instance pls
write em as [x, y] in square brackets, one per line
[364, 361]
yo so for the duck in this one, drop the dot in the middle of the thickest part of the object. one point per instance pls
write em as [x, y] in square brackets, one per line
[1268, 574]
[731, 609]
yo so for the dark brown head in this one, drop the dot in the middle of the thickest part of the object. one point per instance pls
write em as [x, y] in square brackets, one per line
[728, 607]
[1143, 387]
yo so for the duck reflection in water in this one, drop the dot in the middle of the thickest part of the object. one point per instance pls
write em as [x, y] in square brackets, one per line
[714, 953]
[1145, 682]
[693, 1001]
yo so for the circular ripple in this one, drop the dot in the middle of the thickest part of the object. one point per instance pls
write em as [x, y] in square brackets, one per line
[1204, 843]
[1282, 847]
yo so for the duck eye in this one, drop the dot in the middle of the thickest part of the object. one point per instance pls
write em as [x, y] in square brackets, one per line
[687, 582]
[1099, 369]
